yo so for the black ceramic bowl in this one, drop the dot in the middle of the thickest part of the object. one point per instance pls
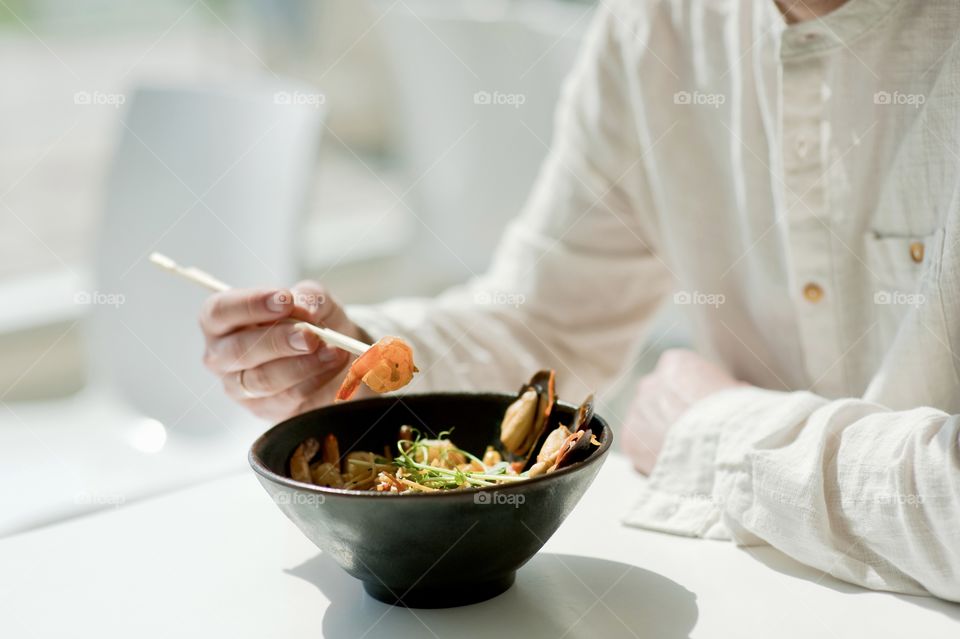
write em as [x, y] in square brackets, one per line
[424, 550]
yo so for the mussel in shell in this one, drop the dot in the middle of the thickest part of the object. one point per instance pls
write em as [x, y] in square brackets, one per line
[527, 417]
[564, 447]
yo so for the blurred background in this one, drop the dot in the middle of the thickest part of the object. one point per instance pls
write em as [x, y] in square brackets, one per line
[378, 146]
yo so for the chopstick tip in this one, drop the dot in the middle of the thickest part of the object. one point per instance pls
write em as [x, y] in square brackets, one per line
[162, 261]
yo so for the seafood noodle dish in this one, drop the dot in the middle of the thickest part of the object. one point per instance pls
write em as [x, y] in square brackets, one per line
[530, 444]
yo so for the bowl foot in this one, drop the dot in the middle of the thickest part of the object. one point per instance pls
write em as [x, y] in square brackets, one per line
[459, 594]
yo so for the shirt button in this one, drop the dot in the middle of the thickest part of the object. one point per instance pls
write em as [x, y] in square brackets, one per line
[813, 292]
[801, 147]
[916, 252]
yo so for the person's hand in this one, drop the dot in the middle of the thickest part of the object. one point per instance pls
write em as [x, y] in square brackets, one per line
[680, 379]
[267, 365]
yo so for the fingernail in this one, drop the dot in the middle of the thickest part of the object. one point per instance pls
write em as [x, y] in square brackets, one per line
[328, 355]
[298, 341]
[278, 301]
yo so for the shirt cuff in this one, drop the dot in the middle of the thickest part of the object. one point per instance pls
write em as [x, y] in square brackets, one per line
[703, 458]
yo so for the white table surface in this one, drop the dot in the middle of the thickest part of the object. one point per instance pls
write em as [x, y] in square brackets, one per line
[219, 560]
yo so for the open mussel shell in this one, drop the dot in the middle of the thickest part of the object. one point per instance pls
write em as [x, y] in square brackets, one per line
[545, 384]
[578, 446]
[584, 414]
[526, 420]
[575, 449]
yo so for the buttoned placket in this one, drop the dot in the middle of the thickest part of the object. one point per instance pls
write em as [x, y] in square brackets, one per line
[805, 144]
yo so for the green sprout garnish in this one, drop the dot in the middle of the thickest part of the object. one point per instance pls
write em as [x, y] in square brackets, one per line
[413, 458]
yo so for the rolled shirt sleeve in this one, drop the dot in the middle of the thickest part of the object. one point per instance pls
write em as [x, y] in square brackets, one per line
[867, 494]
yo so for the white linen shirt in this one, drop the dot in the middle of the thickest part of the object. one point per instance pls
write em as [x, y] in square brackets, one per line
[797, 188]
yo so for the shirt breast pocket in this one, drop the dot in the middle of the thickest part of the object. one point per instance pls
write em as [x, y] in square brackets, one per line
[898, 270]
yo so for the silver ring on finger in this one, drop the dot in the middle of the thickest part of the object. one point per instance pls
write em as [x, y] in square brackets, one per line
[249, 394]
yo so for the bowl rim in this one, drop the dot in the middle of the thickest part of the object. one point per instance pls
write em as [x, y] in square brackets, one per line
[261, 469]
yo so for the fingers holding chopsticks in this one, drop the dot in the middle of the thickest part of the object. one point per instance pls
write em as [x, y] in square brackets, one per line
[266, 363]
[271, 336]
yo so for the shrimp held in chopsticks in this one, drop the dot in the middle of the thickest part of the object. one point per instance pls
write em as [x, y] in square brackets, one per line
[386, 366]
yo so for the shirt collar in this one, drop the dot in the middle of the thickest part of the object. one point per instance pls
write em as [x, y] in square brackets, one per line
[839, 28]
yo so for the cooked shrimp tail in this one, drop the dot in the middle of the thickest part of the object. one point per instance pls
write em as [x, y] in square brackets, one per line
[386, 366]
[349, 386]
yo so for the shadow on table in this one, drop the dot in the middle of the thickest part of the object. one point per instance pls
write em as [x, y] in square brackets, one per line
[783, 564]
[554, 596]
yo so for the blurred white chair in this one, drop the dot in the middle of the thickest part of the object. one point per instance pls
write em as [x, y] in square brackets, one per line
[215, 177]
[474, 159]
